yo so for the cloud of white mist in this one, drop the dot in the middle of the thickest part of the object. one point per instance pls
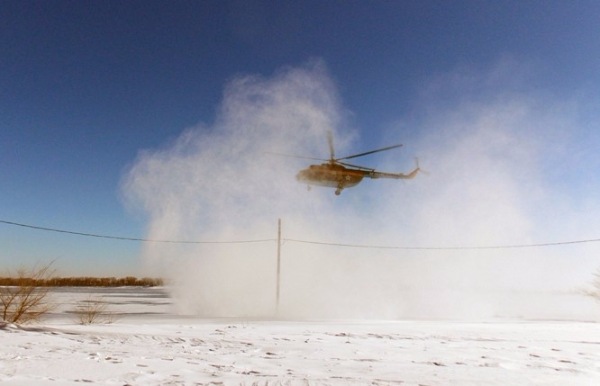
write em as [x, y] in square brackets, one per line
[487, 157]
[499, 155]
[219, 183]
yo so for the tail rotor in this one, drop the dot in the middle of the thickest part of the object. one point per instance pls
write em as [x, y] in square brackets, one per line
[418, 167]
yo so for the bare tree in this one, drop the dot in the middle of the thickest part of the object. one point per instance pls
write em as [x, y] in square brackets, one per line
[593, 290]
[27, 300]
[93, 310]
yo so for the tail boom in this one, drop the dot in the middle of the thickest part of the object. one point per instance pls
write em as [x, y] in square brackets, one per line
[403, 176]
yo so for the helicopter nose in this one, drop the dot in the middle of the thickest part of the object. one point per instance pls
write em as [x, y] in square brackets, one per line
[301, 176]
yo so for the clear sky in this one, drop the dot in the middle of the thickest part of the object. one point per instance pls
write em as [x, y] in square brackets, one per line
[86, 85]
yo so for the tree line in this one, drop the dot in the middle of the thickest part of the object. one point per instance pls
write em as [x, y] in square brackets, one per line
[128, 281]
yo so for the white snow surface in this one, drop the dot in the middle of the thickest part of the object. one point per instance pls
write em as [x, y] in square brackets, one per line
[147, 344]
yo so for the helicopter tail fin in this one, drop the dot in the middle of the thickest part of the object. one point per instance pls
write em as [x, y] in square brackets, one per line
[413, 173]
[403, 176]
[418, 168]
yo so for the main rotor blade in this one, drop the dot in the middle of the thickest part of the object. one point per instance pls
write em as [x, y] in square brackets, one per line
[356, 166]
[330, 142]
[369, 152]
[295, 156]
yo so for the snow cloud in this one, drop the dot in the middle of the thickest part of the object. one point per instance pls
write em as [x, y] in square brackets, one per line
[487, 157]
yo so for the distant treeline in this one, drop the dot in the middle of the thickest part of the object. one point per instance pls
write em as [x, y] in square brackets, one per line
[128, 281]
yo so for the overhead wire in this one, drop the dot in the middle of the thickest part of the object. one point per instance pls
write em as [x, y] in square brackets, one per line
[133, 238]
[447, 248]
[292, 240]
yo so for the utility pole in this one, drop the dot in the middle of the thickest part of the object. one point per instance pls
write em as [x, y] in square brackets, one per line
[278, 266]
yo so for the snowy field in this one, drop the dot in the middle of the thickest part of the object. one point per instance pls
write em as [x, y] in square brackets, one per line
[147, 344]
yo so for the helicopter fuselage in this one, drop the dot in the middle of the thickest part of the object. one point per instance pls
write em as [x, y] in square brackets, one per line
[331, 175]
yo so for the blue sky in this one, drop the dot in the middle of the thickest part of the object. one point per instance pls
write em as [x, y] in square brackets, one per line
[86, 85]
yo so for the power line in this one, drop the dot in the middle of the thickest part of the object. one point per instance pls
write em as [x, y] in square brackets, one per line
[515, 246]
[364, 246]
[133, 238]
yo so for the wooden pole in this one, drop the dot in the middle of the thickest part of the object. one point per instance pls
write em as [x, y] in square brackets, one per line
[278, 264]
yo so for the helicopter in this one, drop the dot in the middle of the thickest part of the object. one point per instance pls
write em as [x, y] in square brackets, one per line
[340, 175]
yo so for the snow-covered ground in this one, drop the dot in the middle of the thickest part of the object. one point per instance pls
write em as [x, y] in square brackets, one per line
[148, 345]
